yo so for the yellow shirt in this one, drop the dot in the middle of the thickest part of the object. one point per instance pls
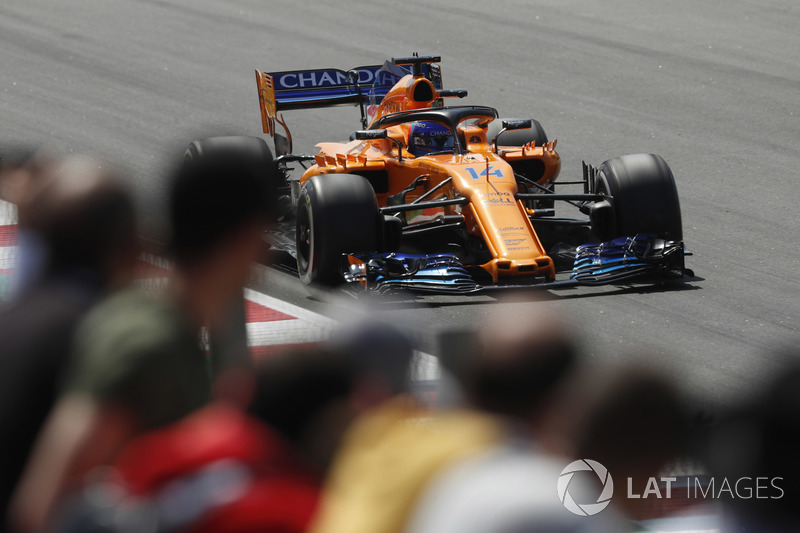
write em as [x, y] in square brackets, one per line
[387, 459]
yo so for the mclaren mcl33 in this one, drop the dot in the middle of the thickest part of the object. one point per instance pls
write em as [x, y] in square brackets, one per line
[451, 199]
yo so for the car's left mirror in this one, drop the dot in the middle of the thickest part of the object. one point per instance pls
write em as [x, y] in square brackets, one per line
[371, 135]
[517, 124]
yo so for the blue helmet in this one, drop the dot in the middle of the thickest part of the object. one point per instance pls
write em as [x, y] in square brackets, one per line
[429, 137]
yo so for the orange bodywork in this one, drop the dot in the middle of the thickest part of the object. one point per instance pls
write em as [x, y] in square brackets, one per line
[481, 174]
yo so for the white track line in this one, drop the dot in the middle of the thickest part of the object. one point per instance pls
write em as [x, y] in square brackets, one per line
[290, 309]
[8, 213]
[279, 332]
[8, 217]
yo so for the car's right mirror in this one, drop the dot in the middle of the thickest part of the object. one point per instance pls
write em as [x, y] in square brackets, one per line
[371, 135]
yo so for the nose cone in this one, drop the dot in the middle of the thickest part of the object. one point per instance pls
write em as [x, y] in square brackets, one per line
[496, 215]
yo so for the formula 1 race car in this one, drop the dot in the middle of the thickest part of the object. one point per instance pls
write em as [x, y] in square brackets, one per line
[453, 199]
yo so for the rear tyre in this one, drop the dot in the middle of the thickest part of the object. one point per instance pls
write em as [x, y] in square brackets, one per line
[645, 199]
[253, 149]
[336, 214]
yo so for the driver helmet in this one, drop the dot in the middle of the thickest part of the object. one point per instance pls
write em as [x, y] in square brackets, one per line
[429, 137]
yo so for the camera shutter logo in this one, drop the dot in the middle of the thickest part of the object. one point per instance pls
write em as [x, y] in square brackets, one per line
[587, 509]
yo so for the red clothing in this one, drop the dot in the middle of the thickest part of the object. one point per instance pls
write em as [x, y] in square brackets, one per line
[221, 470]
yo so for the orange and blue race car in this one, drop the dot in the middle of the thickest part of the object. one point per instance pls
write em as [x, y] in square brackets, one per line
[427, 196]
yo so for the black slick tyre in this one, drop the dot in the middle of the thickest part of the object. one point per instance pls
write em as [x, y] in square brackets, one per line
[644, 197]
[254, 149]
[336, 214]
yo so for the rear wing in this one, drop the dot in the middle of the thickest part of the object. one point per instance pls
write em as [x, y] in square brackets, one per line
[308, 89]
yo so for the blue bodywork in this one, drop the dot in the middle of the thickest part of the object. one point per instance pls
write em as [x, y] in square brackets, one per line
[440, 273]
[627, 257]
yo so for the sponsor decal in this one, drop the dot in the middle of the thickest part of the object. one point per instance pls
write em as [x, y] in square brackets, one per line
[496, 201]
[498, 198]
[307, 79]
[391, 106]
[474, 139]
[387, 78]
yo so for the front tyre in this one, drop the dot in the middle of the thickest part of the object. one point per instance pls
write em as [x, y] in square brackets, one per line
[644, 198]
[336, 214]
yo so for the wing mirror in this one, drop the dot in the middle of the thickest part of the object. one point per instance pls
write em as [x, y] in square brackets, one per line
[371, 135]
[374, 135]
[523, 124]
[453, 93]
[508, 125]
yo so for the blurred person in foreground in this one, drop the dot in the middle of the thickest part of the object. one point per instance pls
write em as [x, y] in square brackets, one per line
[393, 453]
[511, 486]
[221, 469]
[632, 421]
[224, 470]
[85, 225]
[139, 364]
[85, 221]
[757, 442]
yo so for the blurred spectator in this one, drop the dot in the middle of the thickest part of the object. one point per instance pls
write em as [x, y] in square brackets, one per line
[224, 470]
[387, 457]
[84, 220]
[758, 442]
[512, 486]
[139, 364]
[391, 449]
[521, 361]
[507, 370]
[381, 351]
[632, 421]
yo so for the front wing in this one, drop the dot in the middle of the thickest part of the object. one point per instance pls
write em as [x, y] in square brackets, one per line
[637, 258]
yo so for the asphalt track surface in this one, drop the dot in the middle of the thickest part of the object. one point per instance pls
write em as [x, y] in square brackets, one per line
[714, 87]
